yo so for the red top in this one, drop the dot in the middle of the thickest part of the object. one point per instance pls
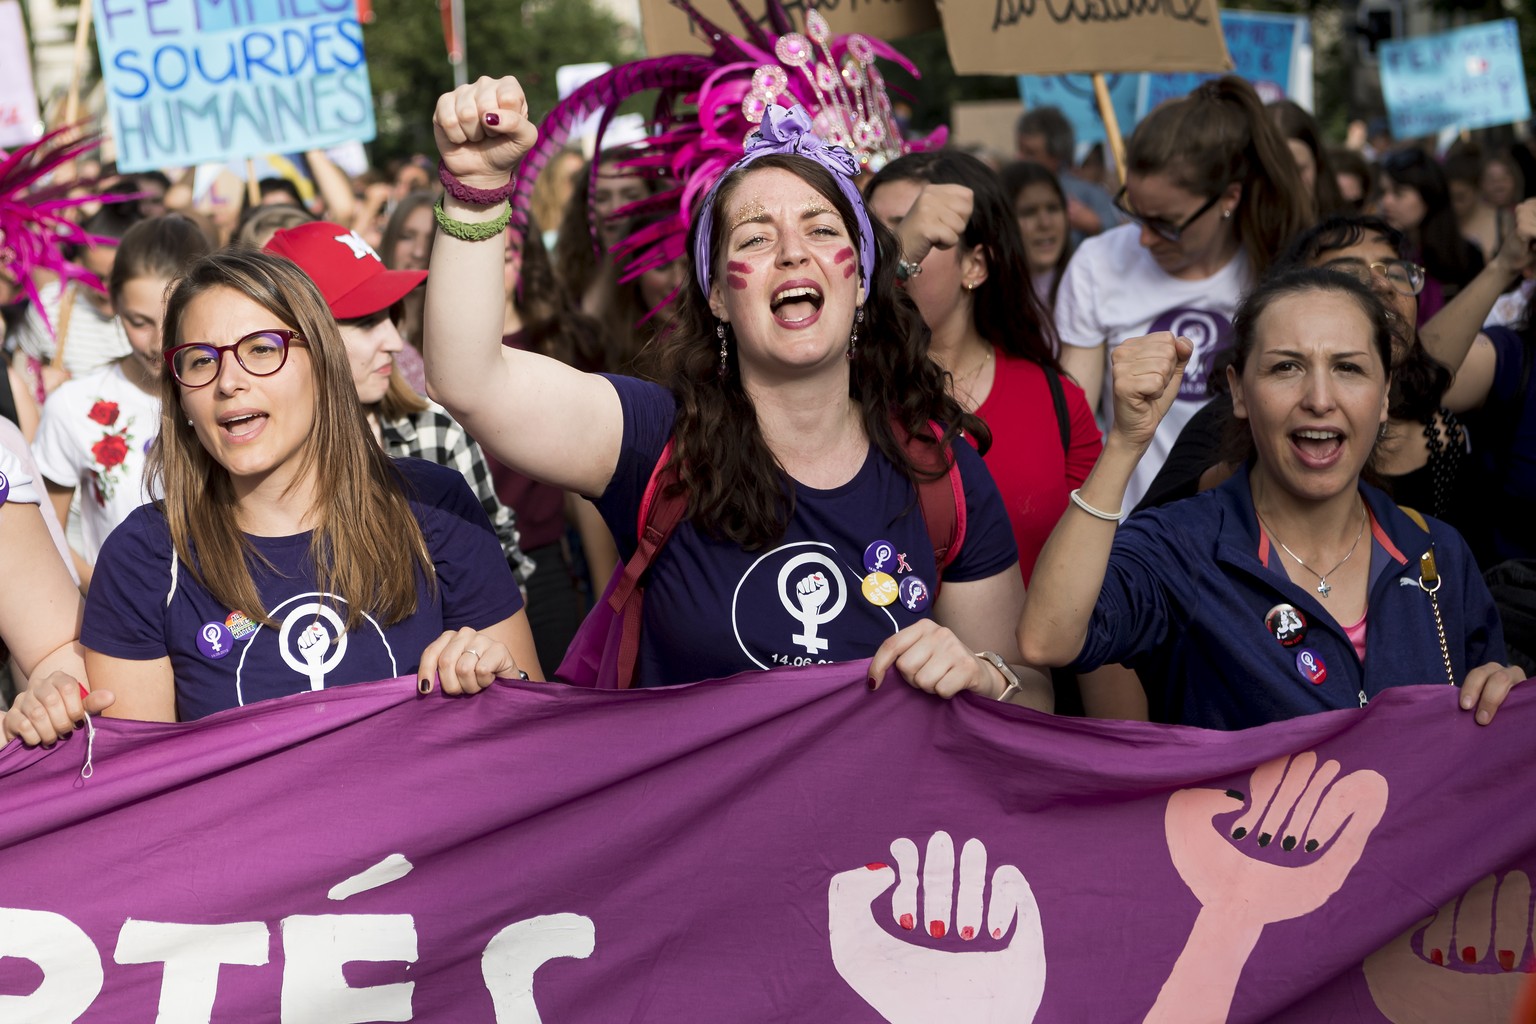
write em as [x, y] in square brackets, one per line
[1032, 472]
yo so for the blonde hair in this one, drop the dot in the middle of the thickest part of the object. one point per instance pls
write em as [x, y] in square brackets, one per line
[367, 546]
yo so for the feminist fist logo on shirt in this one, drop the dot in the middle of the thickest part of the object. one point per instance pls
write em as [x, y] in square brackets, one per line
[1210, 333]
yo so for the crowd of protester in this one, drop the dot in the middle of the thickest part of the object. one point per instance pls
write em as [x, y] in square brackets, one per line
[1306, 368]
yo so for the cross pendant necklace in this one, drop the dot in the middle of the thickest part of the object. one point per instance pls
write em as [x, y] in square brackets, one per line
[1322, 578]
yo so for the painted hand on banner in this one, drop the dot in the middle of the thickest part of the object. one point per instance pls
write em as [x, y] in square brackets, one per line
[967, 970]
[1468, 963]
[1312, 825]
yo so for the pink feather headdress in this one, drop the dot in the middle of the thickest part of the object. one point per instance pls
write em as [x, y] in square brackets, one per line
[34, 228]
[708, 106]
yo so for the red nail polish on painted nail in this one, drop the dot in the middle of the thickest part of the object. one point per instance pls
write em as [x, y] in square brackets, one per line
[1507, 959]
[906, 921]
[967, 933]
[997, 933]
[493, 119]
[876, 866]
[936, 929]
[1436, 957]
[1469, 955]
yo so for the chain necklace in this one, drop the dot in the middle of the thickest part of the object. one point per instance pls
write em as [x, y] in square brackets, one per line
[1322, 577]
[962, 385]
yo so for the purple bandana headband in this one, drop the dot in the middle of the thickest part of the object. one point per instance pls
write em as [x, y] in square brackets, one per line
[789, 131]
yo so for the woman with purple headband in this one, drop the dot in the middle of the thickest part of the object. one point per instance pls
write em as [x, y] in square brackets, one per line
[791, 380]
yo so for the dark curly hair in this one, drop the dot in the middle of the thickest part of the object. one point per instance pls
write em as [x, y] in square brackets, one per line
[1004, 308]
[736, 489]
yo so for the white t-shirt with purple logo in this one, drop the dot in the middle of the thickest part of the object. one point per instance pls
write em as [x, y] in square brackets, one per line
[145, 604]
[1112, 290]
[854, 565]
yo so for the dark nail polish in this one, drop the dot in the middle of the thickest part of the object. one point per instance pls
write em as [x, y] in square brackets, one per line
[871, 683]
[1311, 846]
[1289, 844]
[1239, 832]
[1437, 957]
[1469, 955]
[424, 686]
[1264, 838]
[1234, 794]
[1507, 959]
[493, 119]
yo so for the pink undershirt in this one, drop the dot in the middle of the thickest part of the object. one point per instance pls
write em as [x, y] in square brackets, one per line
[1356, 634]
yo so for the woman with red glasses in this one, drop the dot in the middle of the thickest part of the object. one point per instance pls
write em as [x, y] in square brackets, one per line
[289, 552]
[1213, 194]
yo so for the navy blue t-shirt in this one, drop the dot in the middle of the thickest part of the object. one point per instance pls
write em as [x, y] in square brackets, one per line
[713, 609]
[1503, 436]
[145, 604]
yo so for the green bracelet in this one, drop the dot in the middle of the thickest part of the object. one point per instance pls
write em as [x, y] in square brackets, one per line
[467, 232]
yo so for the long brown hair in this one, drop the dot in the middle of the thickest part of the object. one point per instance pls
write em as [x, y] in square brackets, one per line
[736, 489]
[1220, 135]
[367, 546]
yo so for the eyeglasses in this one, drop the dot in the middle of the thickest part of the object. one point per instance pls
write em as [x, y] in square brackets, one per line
[1402, 275]
[1159, 227]
[260, 353]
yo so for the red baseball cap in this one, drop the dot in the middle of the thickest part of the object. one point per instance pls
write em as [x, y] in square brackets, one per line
[349, 274]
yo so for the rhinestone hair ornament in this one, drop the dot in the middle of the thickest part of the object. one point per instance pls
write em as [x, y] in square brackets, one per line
[789, 132]
[709, 104]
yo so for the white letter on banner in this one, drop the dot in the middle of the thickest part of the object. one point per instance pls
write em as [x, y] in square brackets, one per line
[192, 954]
[71, 966]
[519, 949]
[314, 950]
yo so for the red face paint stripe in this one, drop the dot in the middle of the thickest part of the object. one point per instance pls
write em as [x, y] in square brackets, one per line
[738, 267]
[848, 270]
[736, 282]
[843, 255]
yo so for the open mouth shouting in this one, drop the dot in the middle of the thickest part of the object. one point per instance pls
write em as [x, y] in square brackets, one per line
[1318, 447]
[242, 425]
[797, 304]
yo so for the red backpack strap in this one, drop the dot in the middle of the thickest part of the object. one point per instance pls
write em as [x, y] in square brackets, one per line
[942, 499]
[660, 512]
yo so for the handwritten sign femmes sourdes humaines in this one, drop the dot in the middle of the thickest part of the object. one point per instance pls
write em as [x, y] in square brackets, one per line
[200, 80]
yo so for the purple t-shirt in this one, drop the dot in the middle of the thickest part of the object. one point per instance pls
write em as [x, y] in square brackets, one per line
[145, 604]
[713, 609]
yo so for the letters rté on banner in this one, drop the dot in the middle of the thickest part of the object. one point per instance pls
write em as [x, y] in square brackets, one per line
[192, 81]
[781, 846]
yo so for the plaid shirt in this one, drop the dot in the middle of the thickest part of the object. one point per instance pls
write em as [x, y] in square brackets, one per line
[433, 435]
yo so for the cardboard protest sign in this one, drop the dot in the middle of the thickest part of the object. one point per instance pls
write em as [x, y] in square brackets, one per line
[1471, 77]
[666, 27]
[19, 122]
[783, 846]
[1052, 37]
[190, 81]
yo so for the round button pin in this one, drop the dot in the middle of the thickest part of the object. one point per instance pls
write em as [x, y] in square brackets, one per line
[5, 488]
[215, 640]
[915, 595]
[1287, 624]
[880, 588]
[880, 556]
[1310, 664]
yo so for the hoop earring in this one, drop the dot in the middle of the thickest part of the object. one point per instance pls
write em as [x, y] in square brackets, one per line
[720, 333]
[853, 337]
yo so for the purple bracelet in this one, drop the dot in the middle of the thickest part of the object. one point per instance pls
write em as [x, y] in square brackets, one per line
[469, 194]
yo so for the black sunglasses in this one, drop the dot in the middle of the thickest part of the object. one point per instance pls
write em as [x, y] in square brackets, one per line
[1162, 228]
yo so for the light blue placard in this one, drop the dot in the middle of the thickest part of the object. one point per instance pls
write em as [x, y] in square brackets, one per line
[191, 81]
[1263, 49]
[1073, 95]
[1472, 77]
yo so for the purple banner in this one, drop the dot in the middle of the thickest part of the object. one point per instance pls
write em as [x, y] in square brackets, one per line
[776, 847]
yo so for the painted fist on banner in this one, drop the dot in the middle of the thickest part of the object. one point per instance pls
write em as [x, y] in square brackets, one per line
[962, 972]
[1309, 824]
[1470, 959]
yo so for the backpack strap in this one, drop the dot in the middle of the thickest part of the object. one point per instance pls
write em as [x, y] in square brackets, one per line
[660, 512]
[1059, 400]
[1415, 515]
[942, 500]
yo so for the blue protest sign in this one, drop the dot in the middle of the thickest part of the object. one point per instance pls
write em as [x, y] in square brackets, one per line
[1073, 96]
[1264, 49]
[1471, 77]
[190, 81]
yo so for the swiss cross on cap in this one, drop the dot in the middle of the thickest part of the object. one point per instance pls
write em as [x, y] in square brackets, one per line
[352, 288]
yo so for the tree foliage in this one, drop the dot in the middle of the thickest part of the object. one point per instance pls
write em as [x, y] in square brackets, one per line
[409, 69]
